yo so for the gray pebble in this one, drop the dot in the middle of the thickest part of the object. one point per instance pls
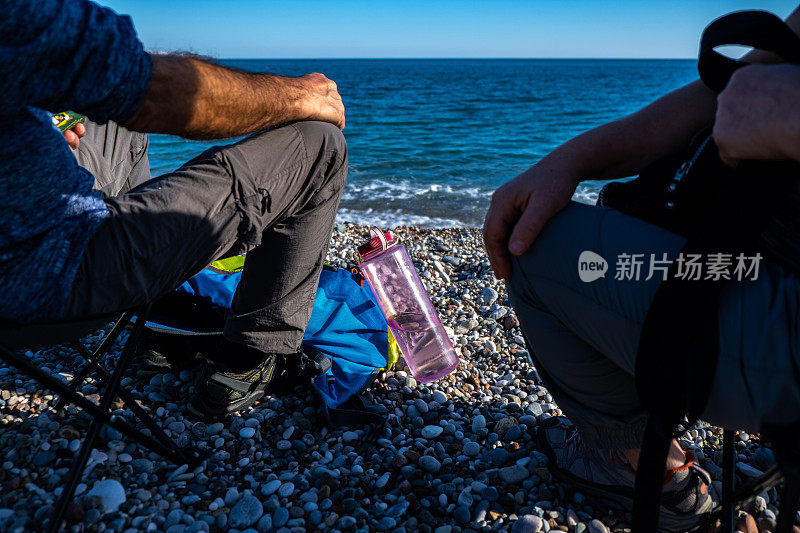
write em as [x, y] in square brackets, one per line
[247, 432]
[527, 524]
[431, 432]
[596, 526]
[280, 517]
[514, 474]
[471, 448]
[430, 463]
[421, 406]
[270, 487]
[478, 423]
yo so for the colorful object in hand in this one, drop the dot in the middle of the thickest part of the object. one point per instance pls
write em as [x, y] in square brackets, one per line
[66, 120]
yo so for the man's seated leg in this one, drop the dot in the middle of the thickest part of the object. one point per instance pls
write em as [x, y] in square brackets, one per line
[274, 193]
[584, 336]
[275, 296]
[117, 157]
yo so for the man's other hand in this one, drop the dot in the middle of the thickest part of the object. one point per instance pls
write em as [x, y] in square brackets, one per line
[519, 211]
[758, 114]
[321, 100]
[73, 136]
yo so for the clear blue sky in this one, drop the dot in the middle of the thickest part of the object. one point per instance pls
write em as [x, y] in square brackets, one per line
[430, 28]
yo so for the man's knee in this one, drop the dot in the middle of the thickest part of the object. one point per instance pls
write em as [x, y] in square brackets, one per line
[328, 143]
[553, 256]
[323, 137]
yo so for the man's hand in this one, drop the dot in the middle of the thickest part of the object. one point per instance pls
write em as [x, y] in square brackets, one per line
[322, 100]
[758, 114]
[73, 136]
[520, 209]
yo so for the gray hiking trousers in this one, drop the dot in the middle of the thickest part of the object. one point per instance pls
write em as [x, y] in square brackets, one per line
[273, 195]
[584, 335]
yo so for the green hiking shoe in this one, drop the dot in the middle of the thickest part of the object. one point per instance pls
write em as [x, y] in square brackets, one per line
[234, 377]
[686, 500]
[219, 393]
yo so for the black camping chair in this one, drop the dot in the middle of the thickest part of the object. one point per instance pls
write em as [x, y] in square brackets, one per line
[786, 445]
[787, 451]
[16, 337]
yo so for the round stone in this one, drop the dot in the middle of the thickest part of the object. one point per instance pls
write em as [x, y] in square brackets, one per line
[471, 448]
[430, 463]
[111, 494]
[280, 517]
[386, 523]
[514, 474]
[431, 432]
[421, 406]
[264, 524]
[270, 487]
[231, 496]
[461, 514]
[596, 526]
[528, 524]
[286, 490]
[489, 295]
[247, 432]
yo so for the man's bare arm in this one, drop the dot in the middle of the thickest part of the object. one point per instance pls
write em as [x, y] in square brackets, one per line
[197, 99]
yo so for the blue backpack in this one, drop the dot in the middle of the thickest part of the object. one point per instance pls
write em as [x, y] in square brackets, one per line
[347, 338]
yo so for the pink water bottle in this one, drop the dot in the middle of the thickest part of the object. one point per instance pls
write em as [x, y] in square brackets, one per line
[408, 310]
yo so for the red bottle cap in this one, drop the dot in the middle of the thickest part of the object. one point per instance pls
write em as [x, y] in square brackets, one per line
[379, 242]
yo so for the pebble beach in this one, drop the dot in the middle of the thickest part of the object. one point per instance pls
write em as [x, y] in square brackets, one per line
[457, 455]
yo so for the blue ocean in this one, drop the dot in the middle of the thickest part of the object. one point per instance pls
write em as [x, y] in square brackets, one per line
[431, 139]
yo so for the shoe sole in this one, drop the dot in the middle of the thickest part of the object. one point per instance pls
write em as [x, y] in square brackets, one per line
[206, 412]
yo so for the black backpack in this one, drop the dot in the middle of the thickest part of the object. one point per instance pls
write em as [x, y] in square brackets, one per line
[751, 209]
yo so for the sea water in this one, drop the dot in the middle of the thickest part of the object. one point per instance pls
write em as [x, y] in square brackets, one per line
[430, 139]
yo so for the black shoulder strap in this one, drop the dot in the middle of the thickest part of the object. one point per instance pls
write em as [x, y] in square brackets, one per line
[678, 348]
[759, 29]
[355, 413]
[314, 356]
[679, 344]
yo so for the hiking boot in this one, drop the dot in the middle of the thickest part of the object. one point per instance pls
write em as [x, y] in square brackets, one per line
[607, 475]
[219, 393]
[161, 355]
[232, 378]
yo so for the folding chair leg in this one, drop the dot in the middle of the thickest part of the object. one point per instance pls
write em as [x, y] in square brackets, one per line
[728, 480]
[75, 474]
[101, 415]
[173, 453]
[790, 499]
[78, 466]
[112, 335]
[127, 399]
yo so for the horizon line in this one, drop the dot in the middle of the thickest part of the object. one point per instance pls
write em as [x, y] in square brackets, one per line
[466, 58]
